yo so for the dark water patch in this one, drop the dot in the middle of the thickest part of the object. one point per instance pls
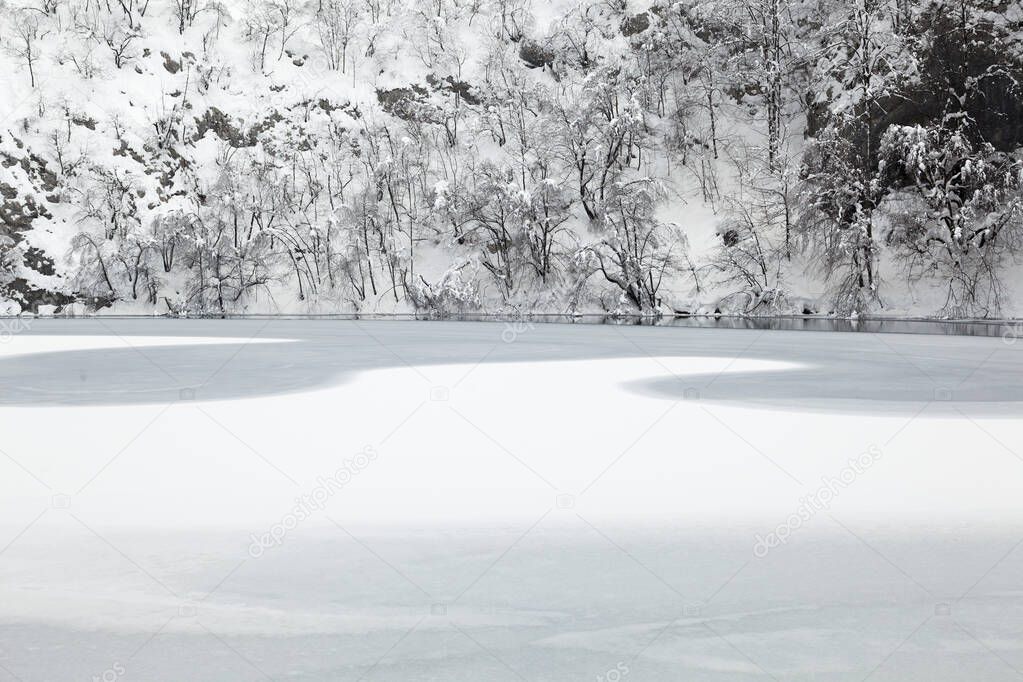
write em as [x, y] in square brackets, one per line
[1007, 329]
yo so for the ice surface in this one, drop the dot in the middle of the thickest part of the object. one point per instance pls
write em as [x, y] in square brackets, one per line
[488, 501]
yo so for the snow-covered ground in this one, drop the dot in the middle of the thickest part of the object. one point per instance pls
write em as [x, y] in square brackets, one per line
[298, 500]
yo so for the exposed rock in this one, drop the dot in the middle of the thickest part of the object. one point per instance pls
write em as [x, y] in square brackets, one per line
[635, 24]
[535, 55]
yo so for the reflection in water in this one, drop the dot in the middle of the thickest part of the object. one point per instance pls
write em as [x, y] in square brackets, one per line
[992, 328]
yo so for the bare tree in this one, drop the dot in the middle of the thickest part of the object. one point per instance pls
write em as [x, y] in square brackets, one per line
[27, 27]
[266, 20]
[185, 11]
[336, 21]
[117, 36]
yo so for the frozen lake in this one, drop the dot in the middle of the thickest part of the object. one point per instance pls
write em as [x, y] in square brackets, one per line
[357, 500]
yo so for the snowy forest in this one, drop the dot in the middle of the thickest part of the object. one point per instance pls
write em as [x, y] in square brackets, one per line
[750, 157]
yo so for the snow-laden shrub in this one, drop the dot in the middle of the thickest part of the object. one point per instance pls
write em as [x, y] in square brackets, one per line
[748, 265]
[457, 291]
[960, 215]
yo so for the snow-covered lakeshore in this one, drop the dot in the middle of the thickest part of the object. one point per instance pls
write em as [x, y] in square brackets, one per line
[210, 500]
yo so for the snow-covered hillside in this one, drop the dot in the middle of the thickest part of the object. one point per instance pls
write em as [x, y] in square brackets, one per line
[753, 156]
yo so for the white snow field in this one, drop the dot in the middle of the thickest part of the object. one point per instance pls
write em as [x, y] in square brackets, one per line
[355, 500]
